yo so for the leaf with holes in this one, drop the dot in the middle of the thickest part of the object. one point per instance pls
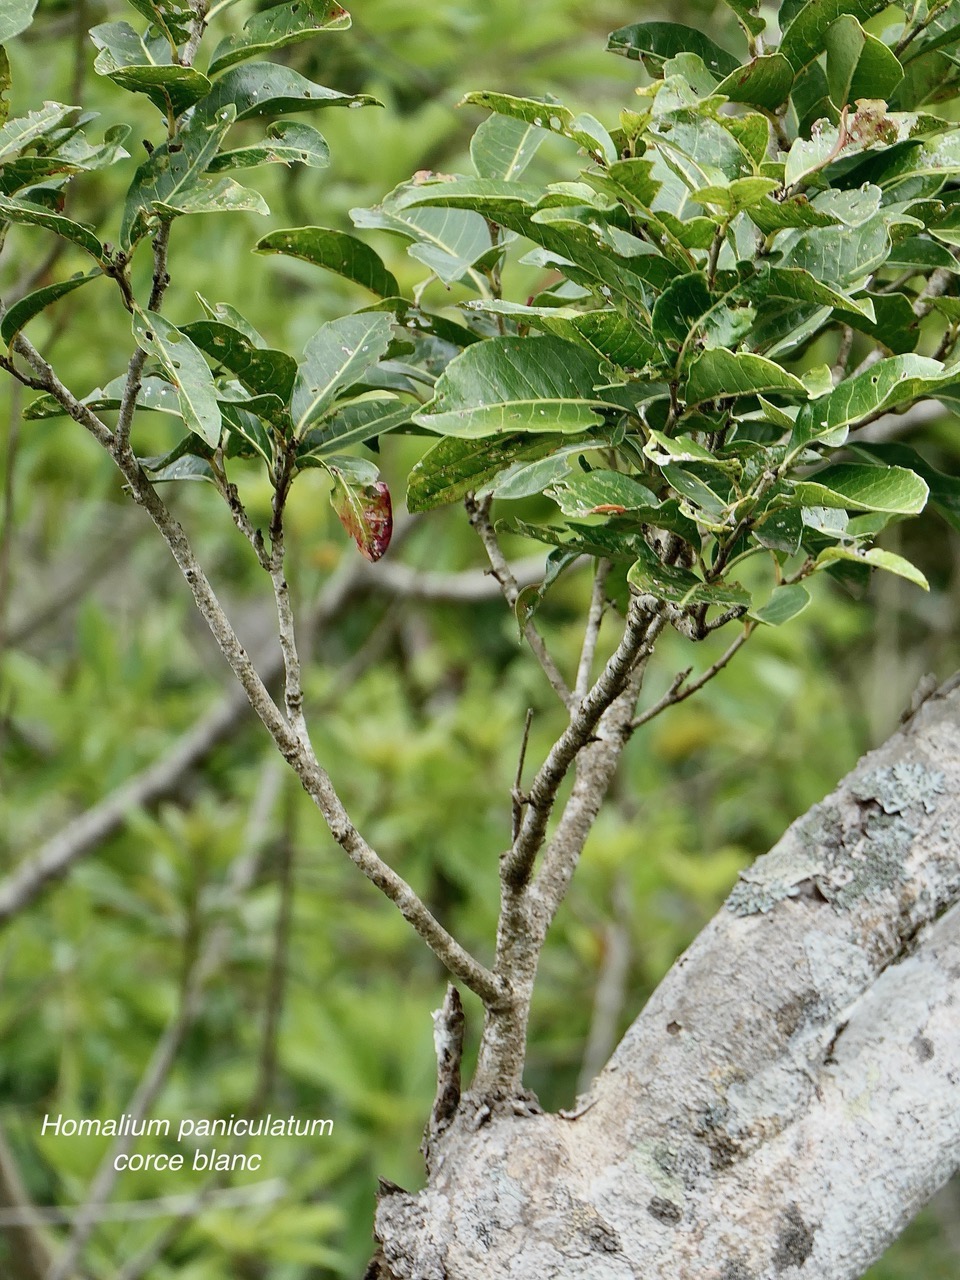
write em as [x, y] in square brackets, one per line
[277, 27]
[186, 368]
[337, 356]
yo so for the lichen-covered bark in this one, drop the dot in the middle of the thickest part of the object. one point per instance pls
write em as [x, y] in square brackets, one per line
[787, 1100]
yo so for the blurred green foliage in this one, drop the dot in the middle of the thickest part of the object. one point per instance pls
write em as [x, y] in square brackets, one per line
[418, 708]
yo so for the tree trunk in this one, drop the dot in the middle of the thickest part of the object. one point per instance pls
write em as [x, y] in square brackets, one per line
[787, 1100]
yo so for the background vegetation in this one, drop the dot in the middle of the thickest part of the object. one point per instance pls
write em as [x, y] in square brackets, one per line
[319, 1003]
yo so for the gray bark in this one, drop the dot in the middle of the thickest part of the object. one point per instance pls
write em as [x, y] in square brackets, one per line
[787, 1100]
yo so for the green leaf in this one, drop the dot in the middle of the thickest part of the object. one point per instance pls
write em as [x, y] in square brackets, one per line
[875, 558]
[175, 18]
[278, 26]
[336, 251]
[793, 285]
[539, 384]
[15, 16]
[264, 88]
[451, 242]
[859, 65]
[452, 467]
[737, 195]
[549, 114]
[262, 371]
[142, 64]
[765, 82]
[895, 325]
[5, 84]
[172, 172]
[365, 511]
[889, 383]
[653, 43]
[681, 587]
[362, 420]
[717, 373]
[524, 479]
[285, 142]
[23, 311]
[944, 489]
[851, 486]
[748, 19]
[337, 356]
[602, 492]
[38, 127]
[841, 255]
[187, 369]
[806, 36]
[187, 466]
[155, 395]
[611, 335]
[680, 309]
[503, 147]
[785, 603]
[23, 211]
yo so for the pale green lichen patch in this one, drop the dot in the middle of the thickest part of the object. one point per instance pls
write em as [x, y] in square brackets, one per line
[901, 787]
[824, 857]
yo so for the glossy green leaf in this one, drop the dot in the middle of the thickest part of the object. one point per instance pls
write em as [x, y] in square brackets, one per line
[841, 256]
[5, 84]
[894, 324]
[747, 16]
[887, 385]
[553, 116]
[653, 43]
[451, 242]
[503, 147]
[354, 423]
[365, 511]
[859, 65]
[23, 311]
[793, 285]
[944, 489]
[806, 36]
[875, 558]
[156, 395]
[680, 309]
[174, 173]
[336, 251]
[717, 374]
[764, 82]
[26, 132]
[265, 88]
[452, 467]
[277, 27]
[337, 356]
[23, 211]
[186, 368]
[681, 587]
[505, 385]
[524, 479]
[15, 16]
[175, 18]
[852, 486]
[785, 604]
[142, 64]
[285, 142]
[602, 492]
[262, 371]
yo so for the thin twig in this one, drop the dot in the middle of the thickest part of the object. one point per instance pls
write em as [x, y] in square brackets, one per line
[7, 523]
[679, 691]
[518, 798]
[643, 625]
[598, 599]
[298, 754]
[838, 372]
[478, 511]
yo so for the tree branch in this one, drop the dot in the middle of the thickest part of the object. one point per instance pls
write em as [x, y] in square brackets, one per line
[787, 1099]
[679, 691]
[644, 623]
[479, 514]
[591, 634]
